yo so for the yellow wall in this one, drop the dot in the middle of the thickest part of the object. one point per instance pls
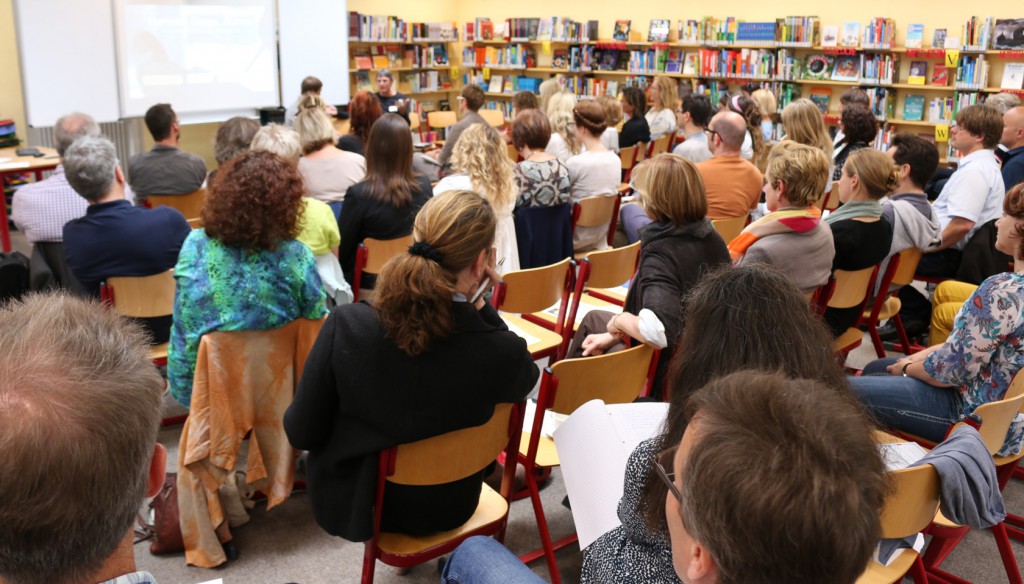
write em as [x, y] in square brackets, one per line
[12, 106]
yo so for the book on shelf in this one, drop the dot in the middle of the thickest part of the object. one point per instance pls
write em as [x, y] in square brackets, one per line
[977, 33]
[918, 72]
[560, 59]
[496, 85]
[818, 67]
[546, 29]
[1013, 76]
[830, 35]
[691, 62]
[364, 62]
[797, 30]
[363, 81]
[951, 42]
[510, 85]
[440, 56]
[380, 62]
[674, 64]
[915, 36]
[846, 68]
[659, 31]
[821, 96]
[939, 38]
[621, 32]
[913, 108]
[880, 33]
[1009, 34]
[485, 29]
[850, 35]
[940, 75]
[757, 33]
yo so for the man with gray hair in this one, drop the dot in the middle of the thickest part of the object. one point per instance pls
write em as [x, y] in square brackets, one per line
[79, 413]
[41, 209]
[114, 238]
[733, 184]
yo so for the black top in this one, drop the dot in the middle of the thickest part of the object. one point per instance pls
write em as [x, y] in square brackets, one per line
[360, 394]
[842, 155]
[387, 102]
[363, 216]
[859, 245]
[672, 260]
[634, 130]
[352, 143]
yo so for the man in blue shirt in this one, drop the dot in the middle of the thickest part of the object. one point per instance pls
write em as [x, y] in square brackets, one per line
[1013, 140]
[114, 238]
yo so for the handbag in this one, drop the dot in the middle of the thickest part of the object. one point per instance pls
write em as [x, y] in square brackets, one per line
[163, 527]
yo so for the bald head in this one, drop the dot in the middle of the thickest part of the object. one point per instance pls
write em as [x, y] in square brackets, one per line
[1013, 128]
[72, 127]
[730, 128]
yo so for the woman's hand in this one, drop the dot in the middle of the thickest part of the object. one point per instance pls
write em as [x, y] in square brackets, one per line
[490, 277]
[598, 344]
[897, 367]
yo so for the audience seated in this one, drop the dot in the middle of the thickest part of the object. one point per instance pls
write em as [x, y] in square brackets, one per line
[165, 169]
[854, 96]
[753, 147]
[541, 178]
[733, 184]
[310, 86]
[243, 270]
[524, 100]
[363, 111]
[595, 172]
[327, 172]
[862, 239]
[858, 126]
[385, 203]
[635, 130]
[114, 238]
[802, 121]
[612, 118]
[482, 166]
[564, 144]
[769, 107]
[694, 116]
[548, 89]
[233, 138]
[40, 209]
[1013, 140]
[677, 248]
[925, 393]
[81, 407]
[400, 371]
[661, 118]
[470, 102]
[792, 236]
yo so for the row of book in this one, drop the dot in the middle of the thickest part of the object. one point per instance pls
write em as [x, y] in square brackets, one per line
[375, 28]
[556, 28]
[971, 72]
[507, 84]
[581, 58]
[511, 56]
[399, 56]
[410, 83]
[939, 109]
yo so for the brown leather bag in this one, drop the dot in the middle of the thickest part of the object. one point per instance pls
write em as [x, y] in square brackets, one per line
[165, 528]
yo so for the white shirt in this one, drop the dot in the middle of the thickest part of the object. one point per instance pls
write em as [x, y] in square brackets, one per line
[557, 148]
[975, 192]
[694, 148]
[610, 139]
[593, 174]
[661, 122]
[747, 149]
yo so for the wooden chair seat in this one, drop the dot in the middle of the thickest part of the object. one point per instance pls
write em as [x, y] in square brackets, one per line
[730, 228]
[158, 352]
[849, 340]
[491, 509]
[547, 454]
[547, 339]
[494, 117]
[618, 294]
[891, 306]
[590, 302]
[894, 572]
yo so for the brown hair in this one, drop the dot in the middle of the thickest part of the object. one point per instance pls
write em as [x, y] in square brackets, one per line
[855, 96]
[1013, 205]
[878, 175]
[311, 84]
[859, 124]
[802, 122]
[671, 189]
[983, 121]
[751, 113]
[803, 169]
[759, 320]
[768, 452]
[482, 154]
[589, 115]
[474, 97]
[413, 298]
[389, 174]
[524, 100]
[363, 111]
[918, 153]
[255, 202]
[159, 120]
[668, 94]
[612, 110]
[531, 128]
[234, 137]
[79, 412]
[766, 101]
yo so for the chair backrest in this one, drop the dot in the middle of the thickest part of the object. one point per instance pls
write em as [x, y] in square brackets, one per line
[379, 251]
[612, 267]
[615, 378]
[543, 234]
[457, 454]
[195, 223]
[535, 289]
[513, 153]
[494, 117]
[909, 258]
[912, 503]
[414, 121]
[441, 119]
[190, 205]
[595, 211]
[852, 288]
[142, 297]
[660, 145]
[997, 415]
[627, 156]
[830, 200]
[730, 228]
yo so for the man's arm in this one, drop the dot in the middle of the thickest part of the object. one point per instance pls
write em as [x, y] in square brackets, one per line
[957, 229]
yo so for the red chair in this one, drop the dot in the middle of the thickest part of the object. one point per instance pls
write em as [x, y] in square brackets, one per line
[523, 296]
[852, 289]
[898, 273]
[371, 257]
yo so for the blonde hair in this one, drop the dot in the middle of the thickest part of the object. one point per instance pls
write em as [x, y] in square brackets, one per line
[803, 169]
[547, 89]
[802, 122]
[878, 175]
[413, 297]
[315, 130]
[559, 111]
[671, 189]
[612, 110]
[278, 139]
[766, 101]
[311, 101]
[482, 154]
[668, 94]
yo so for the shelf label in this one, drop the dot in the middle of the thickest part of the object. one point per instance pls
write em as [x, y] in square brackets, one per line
[545, 47]
[942, 132]
[487, 73]
[455, 72]
[952, 58]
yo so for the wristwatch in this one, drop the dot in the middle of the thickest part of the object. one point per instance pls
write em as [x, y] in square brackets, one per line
[904, 370]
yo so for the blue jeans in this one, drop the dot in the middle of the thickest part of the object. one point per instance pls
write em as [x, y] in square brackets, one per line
[907, 404]
[482, 560]
[336, 207]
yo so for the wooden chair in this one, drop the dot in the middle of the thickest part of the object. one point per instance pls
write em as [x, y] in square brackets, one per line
[441, 120]
[730, 228]
[190, 205]
[513, 153]
[851, 289]
[628, 159]
[523, 293]
[438, 460]
[415, 124]
[610, 271]
[614, 378]
[494, 117]
[596, 211]
[372, 255]
[898, 273]
[830, 200]
[659, 145]
[908, 510]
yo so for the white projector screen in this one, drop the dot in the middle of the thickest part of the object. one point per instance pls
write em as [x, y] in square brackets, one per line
[201, 56]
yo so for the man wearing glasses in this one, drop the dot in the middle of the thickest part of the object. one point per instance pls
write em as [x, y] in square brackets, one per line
[778, 480]
[733, 184]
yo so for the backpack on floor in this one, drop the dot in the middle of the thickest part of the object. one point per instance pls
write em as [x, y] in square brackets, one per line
[13, 276]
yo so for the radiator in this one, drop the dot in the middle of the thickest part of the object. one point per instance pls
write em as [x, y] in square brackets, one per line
[127, 136]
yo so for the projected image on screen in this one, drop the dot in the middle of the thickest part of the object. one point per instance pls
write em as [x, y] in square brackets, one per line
[200, 56]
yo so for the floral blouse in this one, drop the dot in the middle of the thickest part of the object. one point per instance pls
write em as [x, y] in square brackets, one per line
[221, 288]
[542, 184]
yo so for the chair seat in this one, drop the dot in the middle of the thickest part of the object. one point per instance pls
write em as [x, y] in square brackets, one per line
[889, 309]
[941, 520]
[587, 303]
[1004, 460]
[894, 572]
[543, 339]
[852, 338]
[491, 508]
[157, 352]
[618, 293]
[624, 188]
[547, 455]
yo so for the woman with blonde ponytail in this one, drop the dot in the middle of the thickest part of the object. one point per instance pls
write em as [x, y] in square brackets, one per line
[422, 361]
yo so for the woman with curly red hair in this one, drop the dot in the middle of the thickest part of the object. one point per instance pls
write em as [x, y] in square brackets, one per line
[363, 111]
[244, 270]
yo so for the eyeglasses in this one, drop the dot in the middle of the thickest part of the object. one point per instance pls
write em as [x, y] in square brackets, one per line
[712, 132]
[663, 464]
